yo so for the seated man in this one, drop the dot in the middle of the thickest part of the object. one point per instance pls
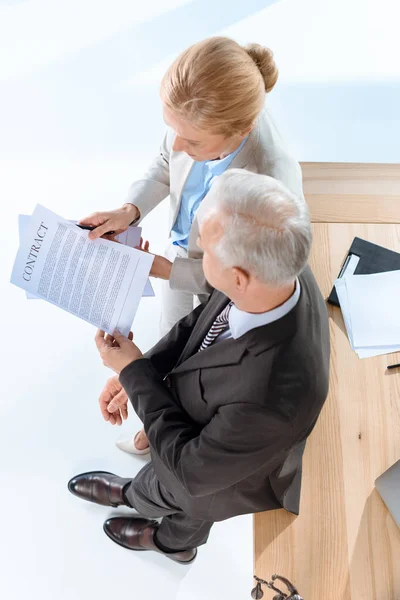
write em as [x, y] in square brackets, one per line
[230, 395]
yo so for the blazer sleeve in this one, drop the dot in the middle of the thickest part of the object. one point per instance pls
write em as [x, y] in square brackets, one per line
[187, 275]
[287, 170]
[147, 192]
[164, 355]
[240, 439]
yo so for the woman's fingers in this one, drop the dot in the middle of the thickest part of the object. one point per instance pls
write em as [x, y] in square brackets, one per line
[143, 245]
[93, 220]
[101, 230]
[116, 221]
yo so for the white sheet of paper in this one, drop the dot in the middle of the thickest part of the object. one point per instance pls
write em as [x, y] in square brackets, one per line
[99, 281]
[341, 290]
[148, 289]
[130, 237]
[374, 302]
[351, 265]
[23, 225]
[362, 351]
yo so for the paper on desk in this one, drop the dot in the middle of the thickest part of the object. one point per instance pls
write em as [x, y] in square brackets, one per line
[345, 304]
[341, 290]
[374, 307]
[99, 281]
[130, 237]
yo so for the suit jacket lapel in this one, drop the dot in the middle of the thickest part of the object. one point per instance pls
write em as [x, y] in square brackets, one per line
[227, 352]
[183, 165]
[231, 351]
[216, 304]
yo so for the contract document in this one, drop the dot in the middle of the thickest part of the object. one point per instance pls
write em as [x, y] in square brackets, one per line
[130, 237]
[99, 281]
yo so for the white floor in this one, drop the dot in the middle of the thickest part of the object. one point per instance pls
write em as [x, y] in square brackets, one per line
[52, 544]
[79, 120]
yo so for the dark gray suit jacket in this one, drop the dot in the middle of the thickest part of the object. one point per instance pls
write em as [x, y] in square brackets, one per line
[227, 426]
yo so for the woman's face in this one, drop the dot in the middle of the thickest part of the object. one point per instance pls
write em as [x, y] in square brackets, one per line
[197, 143]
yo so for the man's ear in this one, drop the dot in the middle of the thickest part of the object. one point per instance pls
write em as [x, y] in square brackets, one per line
[242, 279]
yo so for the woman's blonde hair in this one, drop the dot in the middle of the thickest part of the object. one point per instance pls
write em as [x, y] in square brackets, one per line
[218, 85]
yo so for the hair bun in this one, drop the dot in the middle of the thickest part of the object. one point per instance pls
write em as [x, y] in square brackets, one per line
[264, 59]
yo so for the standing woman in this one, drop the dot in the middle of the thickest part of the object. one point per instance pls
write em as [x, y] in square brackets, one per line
[213, 98]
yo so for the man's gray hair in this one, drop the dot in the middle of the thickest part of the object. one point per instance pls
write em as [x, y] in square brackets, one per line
[266, 228]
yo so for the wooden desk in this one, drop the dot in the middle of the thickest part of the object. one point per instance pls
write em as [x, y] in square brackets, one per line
[344, 545]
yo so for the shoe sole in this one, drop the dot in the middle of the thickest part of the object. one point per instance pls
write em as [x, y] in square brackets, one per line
[179, 562]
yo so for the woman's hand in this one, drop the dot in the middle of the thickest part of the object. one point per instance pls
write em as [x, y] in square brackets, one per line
[117, 351]
[161, 267]
[144, 246]
[114, 220]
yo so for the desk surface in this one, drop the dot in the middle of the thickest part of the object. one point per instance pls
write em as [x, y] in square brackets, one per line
[344, 545]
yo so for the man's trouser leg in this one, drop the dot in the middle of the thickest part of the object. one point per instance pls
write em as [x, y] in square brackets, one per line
[177, 530]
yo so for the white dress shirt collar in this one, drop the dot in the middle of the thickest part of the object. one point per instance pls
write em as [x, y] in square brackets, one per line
[240, 322]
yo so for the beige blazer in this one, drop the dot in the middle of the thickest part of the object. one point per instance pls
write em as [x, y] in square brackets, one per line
[264, 152]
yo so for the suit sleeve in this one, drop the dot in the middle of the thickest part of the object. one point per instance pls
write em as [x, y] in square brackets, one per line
[239, 440]
[154, 186]
[164, 355]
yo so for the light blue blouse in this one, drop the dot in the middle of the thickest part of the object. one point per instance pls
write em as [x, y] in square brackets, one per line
[196, 188]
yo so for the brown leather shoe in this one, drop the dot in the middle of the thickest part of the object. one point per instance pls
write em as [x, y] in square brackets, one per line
[100, 487]
[135, 533]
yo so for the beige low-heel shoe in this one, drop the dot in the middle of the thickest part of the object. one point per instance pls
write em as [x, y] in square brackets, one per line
[128, 445]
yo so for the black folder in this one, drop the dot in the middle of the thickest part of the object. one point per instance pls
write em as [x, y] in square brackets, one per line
[373, 259]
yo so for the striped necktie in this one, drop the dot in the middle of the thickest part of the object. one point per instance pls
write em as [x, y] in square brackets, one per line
[220, 324]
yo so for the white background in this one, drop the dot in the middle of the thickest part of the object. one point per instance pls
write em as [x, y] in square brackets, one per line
[79, 120]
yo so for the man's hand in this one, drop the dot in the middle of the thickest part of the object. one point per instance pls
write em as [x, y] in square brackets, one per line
[114, 402]
[114, 220]
[116, 351]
